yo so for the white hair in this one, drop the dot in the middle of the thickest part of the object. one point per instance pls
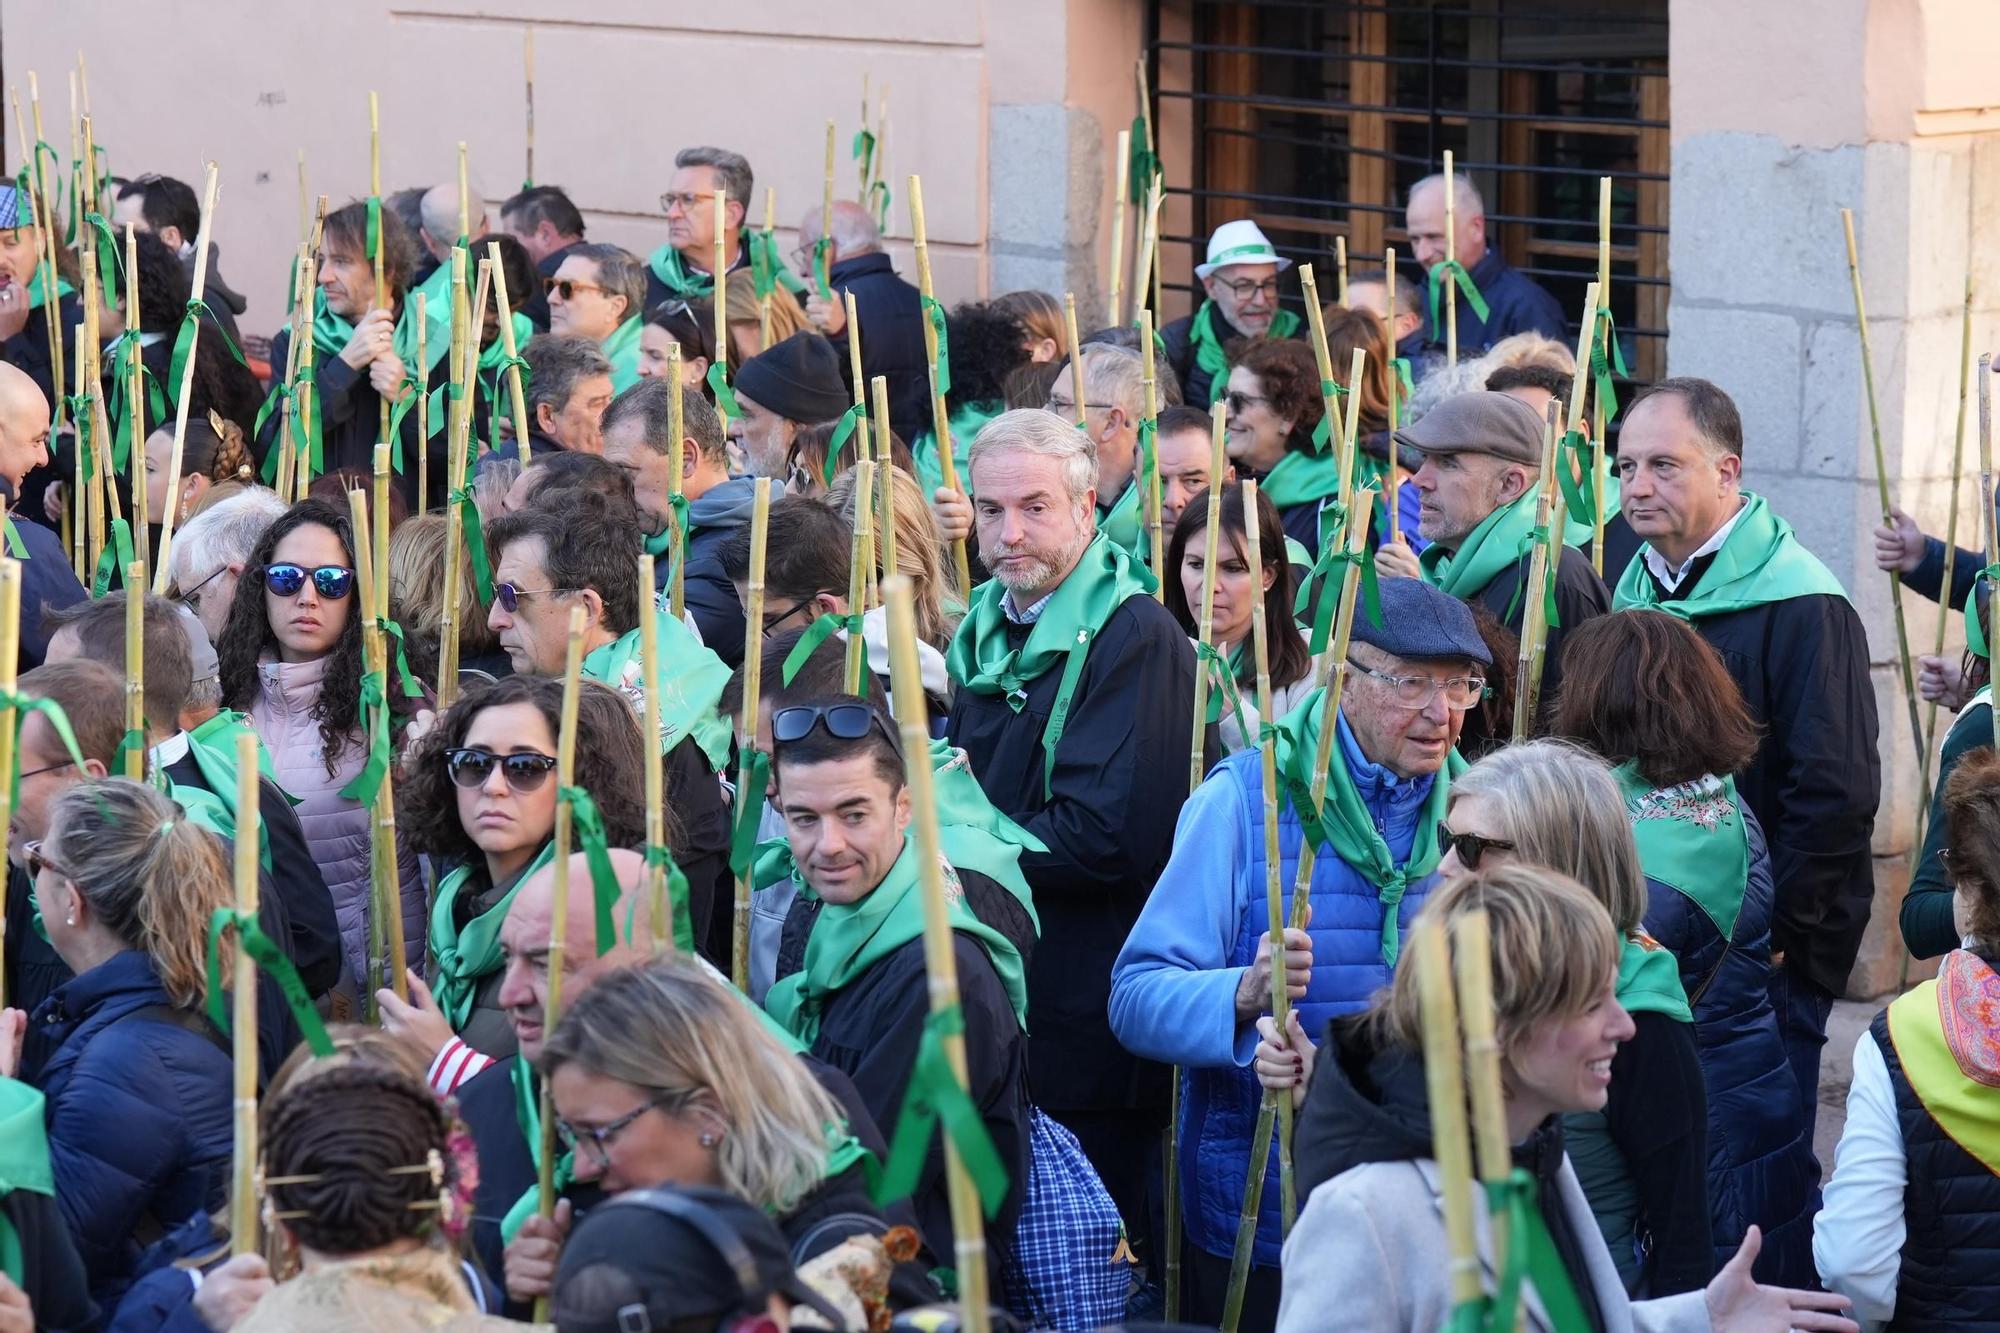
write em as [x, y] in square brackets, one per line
[854, 232]
[1466, 199]
[1112, 374]
[223, 534]
[1037, 431]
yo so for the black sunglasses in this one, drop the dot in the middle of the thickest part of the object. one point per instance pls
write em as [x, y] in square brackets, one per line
[567, 288]
[510, 596]
[525, 770]
[332, 582]
[1469, 846]
[847, 722]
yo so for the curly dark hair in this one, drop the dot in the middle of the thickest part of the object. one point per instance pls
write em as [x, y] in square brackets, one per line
[247, 635]
[354, 1144]
[1290, 379]
[986, 344]
[610, 764]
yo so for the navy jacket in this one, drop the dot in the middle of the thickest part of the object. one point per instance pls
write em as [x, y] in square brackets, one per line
[1515, 303]
[139, 1113]
[892, 336]
[1108, 822]
[1760, 1153]
[47, 584]
[709, 592]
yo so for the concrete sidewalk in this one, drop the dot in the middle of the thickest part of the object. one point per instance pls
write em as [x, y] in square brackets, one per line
[1850, 1018]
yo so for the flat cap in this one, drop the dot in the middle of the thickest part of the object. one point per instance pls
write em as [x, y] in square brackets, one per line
[1481, 422]
[1423, 624]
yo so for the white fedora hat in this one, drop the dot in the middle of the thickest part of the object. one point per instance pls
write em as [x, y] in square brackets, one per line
[1240, 242]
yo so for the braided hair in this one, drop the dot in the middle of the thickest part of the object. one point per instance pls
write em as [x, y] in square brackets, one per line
[349, 1158]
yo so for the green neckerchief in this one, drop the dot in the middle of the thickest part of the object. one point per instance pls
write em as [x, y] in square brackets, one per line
[1208, 353]
[1946, 1051]
[24, 1161]
[1649, 980]
[214, 812]
[460, 959]
[1691, 838]
[1761, 562]
[35, 295]
[981, 658]
[1302, 476]
[1344, 823]
[1125, 524]
[965, 422]
[621, 349]
[1225, 685]
[213, 745]
[674, 274]
[848, 939]
[1500, 540]
[691, 682]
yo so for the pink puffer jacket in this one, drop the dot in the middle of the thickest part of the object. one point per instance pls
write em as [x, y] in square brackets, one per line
[337, 829]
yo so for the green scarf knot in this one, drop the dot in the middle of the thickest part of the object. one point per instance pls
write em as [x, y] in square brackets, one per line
[936, 1099]
[461, 959]
[1466, 288]
[266, 954]
[1761, 562]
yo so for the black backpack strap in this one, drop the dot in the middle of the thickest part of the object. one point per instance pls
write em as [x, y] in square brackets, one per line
[188, 1020]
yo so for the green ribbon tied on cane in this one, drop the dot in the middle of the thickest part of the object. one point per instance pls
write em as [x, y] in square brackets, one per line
[935, 1097]
[266, 954]
[934, 312]
[1323, 433]
[475, 543]
[822, 250]
[375, 724]
[824, 627]
[1531, 1257]
[56, 717]
[184, 341]
[16, 548]
[1222, 686]
[842, 431]
[753, 777]
[1331, 557]
[1466, 287]
[604, 890]
[1401, 365]
[110, 260]
[1538, 536]
[1607, 359]
[677, 898]
[1143, 162]
[373, 241]
[123, 358]
[763, 263]
[116, 558]
[725, 397]
[877, 197]
[1573, 460]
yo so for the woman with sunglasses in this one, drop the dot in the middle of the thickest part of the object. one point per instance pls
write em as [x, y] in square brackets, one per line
[690, 325]
[1274, 407]
[1232, 672]
[478, 795]
[1649, 695]
[291, 658]
[1369, 1250]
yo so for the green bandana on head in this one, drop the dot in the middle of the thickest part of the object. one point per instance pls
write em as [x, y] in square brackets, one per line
[982, 658]
[1691, 838]
[621, 349]
[1208, 352]
[690, 684]
[1761, 562]
[460, 959]
[848, 939]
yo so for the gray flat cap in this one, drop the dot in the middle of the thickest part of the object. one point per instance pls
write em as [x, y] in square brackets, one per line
[1479, 423]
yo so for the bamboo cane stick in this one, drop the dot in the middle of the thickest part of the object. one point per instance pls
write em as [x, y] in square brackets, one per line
[373, 658]
[1142, 258]
[1945, 608]
[857, 575]
[1123, 167]
[464, 193]
[528, 73]
[243, 1204]
[1882, 489]
[520, 402]
[753, 679]
[1392, 497]
[721, 263]
[89, 493]
[83, 77]
[1989, 516]
[940, 965]
[1340, 271]
[854, 356]
[940, 414]
[1149, 389]
[656, 795]
[822, 276]
[181, 399]
[1075, 361]
[764, 301]
[1472, 958]
[1445, 1081]
[10, 655]
[135, 411]
[1316, 325]
[1534, 620]
[1159, 287]
[375, 192]
[885, 466]
[135, 676]
[1450, 276]
[423, 405]
[384, 844]
[42, 218]
[1218, 417]
[305, 200]
[545, 1183]
[676, 483]
[1597, 409]
[457, 407]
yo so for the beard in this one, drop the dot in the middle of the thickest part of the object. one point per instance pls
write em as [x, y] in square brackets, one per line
[1042, 565]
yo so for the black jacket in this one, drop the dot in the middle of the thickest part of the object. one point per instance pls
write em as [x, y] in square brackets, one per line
[51, 1272]
[1802, 665]
[224, 302]
[1580, 595]
[47, 583]
[1119, 780]
[313, 939]
[1515, 303]
[1177, 341]
[892, 336]
[28, 350]
[697, 803]
[872, 1028]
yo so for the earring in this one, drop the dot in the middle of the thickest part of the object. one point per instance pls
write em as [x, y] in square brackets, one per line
[69, 920]
[709, 1139]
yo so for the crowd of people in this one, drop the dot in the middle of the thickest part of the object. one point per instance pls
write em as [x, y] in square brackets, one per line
[1675, 867]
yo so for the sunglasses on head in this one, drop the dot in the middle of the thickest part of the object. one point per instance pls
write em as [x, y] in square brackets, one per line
[846, 722]
[332, 582]
[525, 770]
[1469, 846]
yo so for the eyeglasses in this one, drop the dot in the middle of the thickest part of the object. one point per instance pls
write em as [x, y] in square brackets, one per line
[525, 770]
[46, 768]
[1064, 407]
[1416, 692]
[567, 288]
[599, 1139]
[687, 203]
[771, 623]
[847, 722]
[191, 599]
[37, 863]
[332, 582]
[1239, 402]
[1469, 846]
[510, 596]
[1244, 288]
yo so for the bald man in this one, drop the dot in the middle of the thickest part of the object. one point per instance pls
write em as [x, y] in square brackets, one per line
[890, 310]
[46, 579]
[1514, 301]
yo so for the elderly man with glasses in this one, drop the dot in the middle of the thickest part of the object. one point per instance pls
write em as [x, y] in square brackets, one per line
[1241, 281]
[1195, 973]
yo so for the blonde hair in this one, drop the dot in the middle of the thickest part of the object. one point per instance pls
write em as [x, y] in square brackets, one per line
[1554, 950]
[670, 1028]
[1561, 808]
[1530, 349]
[920, 552]
[416, 593]
[1040, 314]
[151, 875]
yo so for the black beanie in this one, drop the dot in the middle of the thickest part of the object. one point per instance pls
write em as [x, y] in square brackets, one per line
[798, 379]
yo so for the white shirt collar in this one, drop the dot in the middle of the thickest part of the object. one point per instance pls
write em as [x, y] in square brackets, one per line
[171, 750]
[1672, 578]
